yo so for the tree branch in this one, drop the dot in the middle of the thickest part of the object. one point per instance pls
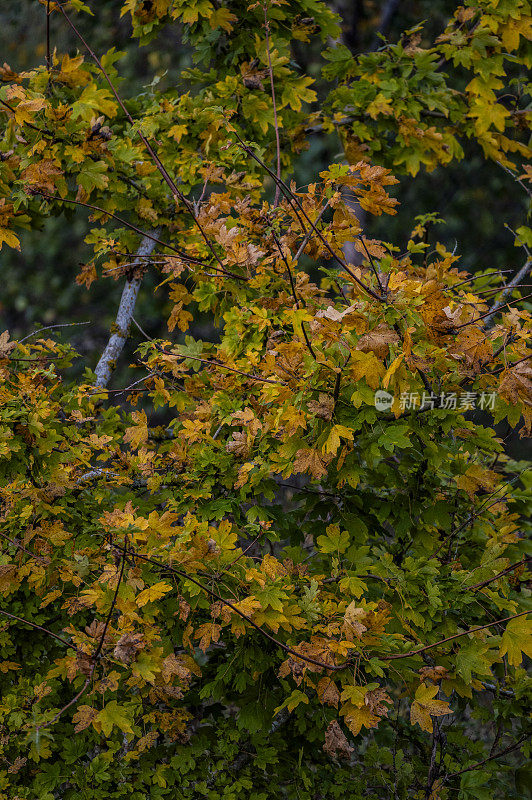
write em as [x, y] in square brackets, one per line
[455, 636]
[117, 340]
[489, 758]
[518, 277]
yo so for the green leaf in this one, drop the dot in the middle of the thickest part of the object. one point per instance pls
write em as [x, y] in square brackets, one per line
[516, 640]
[336, 541]
[114, 715]
[472, 658]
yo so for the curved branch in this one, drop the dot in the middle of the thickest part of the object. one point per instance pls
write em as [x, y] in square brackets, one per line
[455, 636]
[518, 277]
[117, 340]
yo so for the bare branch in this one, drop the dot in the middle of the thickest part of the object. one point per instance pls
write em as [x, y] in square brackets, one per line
[451, 638]
[510, 286]
[117, 340]
[490, 758]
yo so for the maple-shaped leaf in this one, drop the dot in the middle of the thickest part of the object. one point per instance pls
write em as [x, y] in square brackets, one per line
[113, 715]
[310, 461]
[333, 442]
[138, 433]
[207, 633]
[474, 657]
[336, 744]
[336, 541]
[375, 700]
[426, 705]
[83, 717]
[378, 341]
[323, 407]
[152, 593]
[5, 345]
[357, 717]
[9, 238]
[328, 693]
[516, 640]
[296, 698]
[354, 626]
[127, 647]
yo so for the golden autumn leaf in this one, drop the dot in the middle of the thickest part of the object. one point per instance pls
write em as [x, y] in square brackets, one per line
[354, 626]
[137, 434]
[358, 717]
[207, 633]
[152, 593]
[426, 705]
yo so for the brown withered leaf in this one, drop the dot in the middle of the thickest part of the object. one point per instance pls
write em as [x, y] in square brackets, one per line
[84, 663]
[238, 445]
[336, 744]
[9, 579]
[323, 407]
[375, 701]
[183, 609]
[252, 81]
[310, 461]
[42, 176]
[8, 76]
[434, 674]
[127, 647]
[83, 717]
[516, 383]
[328, 693]
[473, 347]
[95, 629]
[378, 341]
[5, 345]
[17, 765]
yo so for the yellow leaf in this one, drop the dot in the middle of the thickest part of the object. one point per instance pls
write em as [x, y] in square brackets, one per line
[222, 18]
[356, 717]
[426, 706]
[391, 369]
[207, 633]
[516, 640]
[137, 434]
[152, 593]
[9, 238]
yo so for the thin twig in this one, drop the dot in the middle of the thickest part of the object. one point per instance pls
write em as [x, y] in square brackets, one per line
[275, 120]
[507, 290]
[49, 327]
[450, 638]
[489, 758]
[176, 193]
[292, 199]
[40, 628]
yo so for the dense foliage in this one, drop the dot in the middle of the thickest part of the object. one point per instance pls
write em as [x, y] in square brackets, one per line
[289, 559]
